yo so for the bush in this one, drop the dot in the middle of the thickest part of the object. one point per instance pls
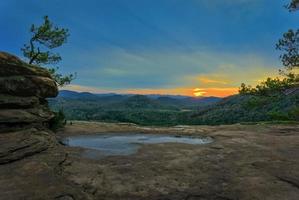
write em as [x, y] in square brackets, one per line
[58, 121]
[276, 115]
[294, 113]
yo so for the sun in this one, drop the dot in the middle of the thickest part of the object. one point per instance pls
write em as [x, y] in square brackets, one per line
[198, 92]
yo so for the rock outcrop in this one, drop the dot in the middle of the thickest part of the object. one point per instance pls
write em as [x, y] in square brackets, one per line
[23, 108]
[31, 159]
[23, 89]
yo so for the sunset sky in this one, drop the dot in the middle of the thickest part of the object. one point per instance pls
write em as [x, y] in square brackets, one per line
[187, 47]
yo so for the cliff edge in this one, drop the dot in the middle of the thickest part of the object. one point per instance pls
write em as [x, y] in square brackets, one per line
[30, 157]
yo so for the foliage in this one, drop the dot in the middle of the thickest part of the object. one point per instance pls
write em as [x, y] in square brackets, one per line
[270, 87]
[293, 5]
[289, 45]
[44, 38]
[58, 121]
[234, 109]
[60, 79]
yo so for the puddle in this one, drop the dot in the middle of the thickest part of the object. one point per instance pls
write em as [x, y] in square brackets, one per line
[98, 146]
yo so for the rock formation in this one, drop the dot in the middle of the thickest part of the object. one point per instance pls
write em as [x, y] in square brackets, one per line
[31, 160]
[23, 108]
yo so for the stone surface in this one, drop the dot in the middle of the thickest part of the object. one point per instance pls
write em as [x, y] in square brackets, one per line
[18, 78]
[27, 86]
[245, 162]
[31, 167]
[30, 156]
[23, 92]
[13, 102]
[33, 115]
[20, 144]
[11, 65]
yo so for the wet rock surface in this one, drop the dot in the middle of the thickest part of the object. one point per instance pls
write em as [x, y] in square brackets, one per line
[243, 162]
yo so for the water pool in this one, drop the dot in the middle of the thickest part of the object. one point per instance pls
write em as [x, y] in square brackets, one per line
[126, 144]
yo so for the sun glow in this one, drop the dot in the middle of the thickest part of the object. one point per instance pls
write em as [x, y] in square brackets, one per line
[198, 92]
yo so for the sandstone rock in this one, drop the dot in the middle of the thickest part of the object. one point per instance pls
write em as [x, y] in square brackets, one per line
[18, 78]
[17, 145]
[31, 160]
[34, 115]
[11, 102]
[23, 92]
[27, 86]
[11, 65]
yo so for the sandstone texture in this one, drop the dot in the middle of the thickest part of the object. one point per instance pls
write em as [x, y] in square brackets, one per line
[244, 162]
[30, 156]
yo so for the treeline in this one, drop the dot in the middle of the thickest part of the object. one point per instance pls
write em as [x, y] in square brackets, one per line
[234, 109]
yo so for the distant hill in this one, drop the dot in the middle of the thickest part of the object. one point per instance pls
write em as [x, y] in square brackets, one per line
[76, 95]
[140, 109]
[140, 101]
[174, 110]
[248, 108]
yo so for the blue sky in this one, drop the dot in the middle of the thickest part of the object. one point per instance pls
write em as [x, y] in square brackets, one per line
[157, 46]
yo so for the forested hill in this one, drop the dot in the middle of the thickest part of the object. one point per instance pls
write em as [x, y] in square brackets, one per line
[248, 108]
[175, 110]
[139, 109]
[130, 101]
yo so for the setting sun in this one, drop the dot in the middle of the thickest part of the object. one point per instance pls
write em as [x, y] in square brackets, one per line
[198, 92]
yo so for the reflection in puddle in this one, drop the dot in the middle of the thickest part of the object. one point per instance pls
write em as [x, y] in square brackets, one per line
[125, 144]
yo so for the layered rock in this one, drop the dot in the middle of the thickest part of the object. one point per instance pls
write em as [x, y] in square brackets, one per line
[23, 89]
[31, 159]
[24, 114]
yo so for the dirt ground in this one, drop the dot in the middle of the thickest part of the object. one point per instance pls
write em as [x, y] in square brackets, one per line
[244, 162]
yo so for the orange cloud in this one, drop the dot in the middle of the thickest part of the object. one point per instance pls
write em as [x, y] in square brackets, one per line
[220, 92]
[206, 80]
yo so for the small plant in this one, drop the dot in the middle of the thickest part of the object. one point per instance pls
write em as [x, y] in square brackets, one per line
[277, 115]
[58, 121]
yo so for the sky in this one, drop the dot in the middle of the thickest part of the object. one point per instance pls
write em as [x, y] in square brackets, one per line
[185, 47]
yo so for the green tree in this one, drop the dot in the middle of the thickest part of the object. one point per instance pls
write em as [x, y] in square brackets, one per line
[45, 38]
[289, 45]
[293, 5]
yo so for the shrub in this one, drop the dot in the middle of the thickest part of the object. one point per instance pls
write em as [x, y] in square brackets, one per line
[58, 121]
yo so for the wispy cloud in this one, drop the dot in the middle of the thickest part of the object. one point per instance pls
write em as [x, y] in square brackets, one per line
[121, 69]
[217, 73]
